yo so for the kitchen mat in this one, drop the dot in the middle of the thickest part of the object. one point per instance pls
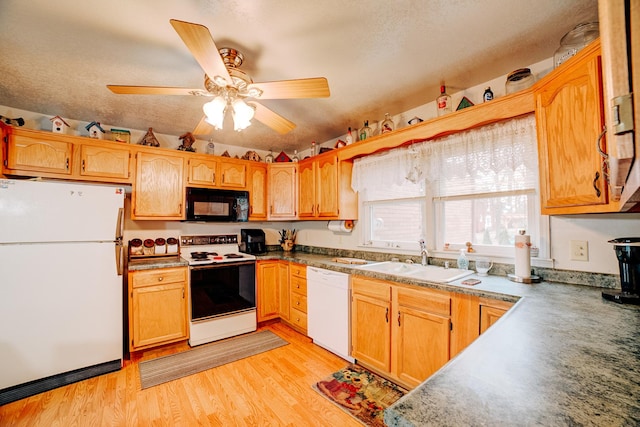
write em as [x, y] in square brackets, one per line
[360, 393]
[174, 366]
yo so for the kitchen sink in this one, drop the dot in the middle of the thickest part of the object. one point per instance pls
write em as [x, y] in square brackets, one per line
[431, 273]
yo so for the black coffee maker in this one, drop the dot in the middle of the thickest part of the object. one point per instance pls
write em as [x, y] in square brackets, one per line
[252, 241]
[628, 254]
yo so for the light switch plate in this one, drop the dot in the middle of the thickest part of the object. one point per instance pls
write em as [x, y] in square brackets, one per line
[579, 250]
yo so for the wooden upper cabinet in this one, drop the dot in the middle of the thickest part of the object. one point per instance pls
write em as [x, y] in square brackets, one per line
[307, 189]
[283, 190]
[569, 116]
[201, 171]
[158, 190]
[39, 152]
[105, 162]
[233, 174]
[325, 189]
[257, 186]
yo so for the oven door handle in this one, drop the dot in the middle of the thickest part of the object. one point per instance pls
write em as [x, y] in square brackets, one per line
[222, 264]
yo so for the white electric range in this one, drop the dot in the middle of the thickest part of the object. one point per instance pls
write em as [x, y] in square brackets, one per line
[222, 287]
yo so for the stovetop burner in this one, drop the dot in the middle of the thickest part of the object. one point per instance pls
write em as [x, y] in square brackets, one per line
[212, 249]
[234, 256]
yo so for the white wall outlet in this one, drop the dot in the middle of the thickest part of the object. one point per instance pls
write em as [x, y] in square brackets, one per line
[579, 250]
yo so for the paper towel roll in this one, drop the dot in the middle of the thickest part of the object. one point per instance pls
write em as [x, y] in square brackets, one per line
[341, 226]
[522, 255]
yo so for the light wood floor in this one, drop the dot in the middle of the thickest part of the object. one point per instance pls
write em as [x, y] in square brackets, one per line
[268, 389]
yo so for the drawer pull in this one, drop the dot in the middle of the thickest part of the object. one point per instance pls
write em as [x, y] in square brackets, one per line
[160, 279]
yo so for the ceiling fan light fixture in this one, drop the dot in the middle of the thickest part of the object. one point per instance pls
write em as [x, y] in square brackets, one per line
[254, 92]
[214, 111]
[242, 115]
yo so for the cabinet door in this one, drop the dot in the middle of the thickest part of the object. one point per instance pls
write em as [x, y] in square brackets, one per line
[159, 315]
[421, 344]
[258, 192]
[327, 187]
[233, 175]
[307, 189]
[268, 303]
[370, 328]
[202, 172]
[420, 333]
[284, 289]
[569, 118]
[490, 311]
[158, 191]
[283, 191]
[104, 162]
[41, 154]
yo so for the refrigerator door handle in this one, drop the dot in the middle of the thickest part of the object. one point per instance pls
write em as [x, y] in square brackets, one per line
[119, 244]
[119, 225]
[119, 252]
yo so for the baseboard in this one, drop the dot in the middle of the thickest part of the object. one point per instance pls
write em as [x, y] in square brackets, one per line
[20, 391]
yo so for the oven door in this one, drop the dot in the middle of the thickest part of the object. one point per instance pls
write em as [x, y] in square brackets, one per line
[222, 289]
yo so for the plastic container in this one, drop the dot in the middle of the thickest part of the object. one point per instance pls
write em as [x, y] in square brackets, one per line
[463, 261]
[518, 80]
[572, 42]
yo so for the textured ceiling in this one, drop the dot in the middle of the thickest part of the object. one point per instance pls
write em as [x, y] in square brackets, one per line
[378, 56]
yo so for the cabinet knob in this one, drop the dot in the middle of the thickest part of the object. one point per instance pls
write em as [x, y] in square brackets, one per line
[160, 279]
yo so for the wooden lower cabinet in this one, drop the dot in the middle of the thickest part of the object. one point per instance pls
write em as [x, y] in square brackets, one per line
[402, 332]
[157, 307]
[268, 297]
[298, 297]
[370, 327]
[490, 311]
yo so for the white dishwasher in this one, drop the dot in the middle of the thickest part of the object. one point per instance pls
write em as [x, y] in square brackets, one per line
[328, 307]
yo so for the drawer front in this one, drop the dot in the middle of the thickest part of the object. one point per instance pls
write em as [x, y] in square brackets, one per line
[371, 287]
[298, 270]
[156, 277]
[299, 285]
[428, 300]
[298, 318]
[299, 302]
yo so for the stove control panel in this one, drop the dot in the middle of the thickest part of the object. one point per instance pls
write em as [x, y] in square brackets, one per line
[221, 239]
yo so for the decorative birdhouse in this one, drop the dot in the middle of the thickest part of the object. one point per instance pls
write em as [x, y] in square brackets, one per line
[58, 125]
[95, 130]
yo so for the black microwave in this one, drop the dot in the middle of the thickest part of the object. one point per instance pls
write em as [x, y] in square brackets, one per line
[211, 205]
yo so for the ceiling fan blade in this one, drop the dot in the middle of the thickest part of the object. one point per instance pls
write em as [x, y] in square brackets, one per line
[203, 127]
[152, 90]
[316, 87]
[200, 42]
[273, 120]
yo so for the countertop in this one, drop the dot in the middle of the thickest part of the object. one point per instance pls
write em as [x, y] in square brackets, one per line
[156, 262]
[561, 356]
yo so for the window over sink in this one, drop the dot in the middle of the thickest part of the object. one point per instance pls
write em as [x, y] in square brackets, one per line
[478, 186]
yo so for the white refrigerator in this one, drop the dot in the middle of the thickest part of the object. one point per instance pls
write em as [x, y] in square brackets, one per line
[61, 295]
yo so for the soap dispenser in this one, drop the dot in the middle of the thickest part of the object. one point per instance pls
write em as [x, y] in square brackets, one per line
[463, 262]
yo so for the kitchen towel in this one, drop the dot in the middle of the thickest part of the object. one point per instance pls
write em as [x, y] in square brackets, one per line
[341, 226]
[522, 255]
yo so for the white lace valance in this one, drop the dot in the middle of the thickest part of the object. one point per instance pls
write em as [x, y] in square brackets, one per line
[490, 154]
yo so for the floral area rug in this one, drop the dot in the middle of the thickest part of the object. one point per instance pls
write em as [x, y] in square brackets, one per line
[361, 393]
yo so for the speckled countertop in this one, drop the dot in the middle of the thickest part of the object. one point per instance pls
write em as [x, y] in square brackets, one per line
[561, 356]
[156, 262]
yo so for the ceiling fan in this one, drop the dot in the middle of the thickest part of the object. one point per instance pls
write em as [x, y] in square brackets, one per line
[229, 86]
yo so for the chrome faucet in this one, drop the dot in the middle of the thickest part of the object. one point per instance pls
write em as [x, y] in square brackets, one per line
[424, 252]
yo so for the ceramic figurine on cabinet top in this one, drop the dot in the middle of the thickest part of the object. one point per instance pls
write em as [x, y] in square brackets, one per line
[187, 142]
[149, 139]
[387, 124]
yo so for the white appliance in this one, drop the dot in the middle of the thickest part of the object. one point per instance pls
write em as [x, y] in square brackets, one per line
[222, 288]
[328, 307]
[61, 297]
